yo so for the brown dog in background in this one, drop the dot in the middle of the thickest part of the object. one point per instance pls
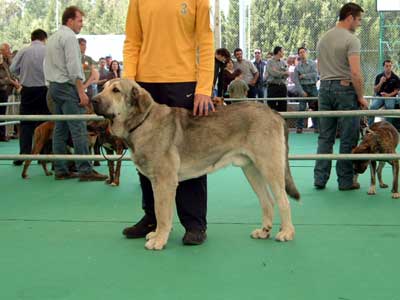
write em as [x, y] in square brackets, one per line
[111, 144]
[381, 137]
[42, 138]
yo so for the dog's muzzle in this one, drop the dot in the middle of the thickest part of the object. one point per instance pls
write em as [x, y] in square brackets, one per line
[99, 108]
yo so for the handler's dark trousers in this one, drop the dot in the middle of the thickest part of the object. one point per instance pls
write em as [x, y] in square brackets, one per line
[334, 96]
[191, 195]
[277, 91]
[33, 102]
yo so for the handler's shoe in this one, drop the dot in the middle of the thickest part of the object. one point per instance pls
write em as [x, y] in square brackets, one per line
[92, 176]
[65, 176]
[194, 237]
[354, 186]
[146, 225]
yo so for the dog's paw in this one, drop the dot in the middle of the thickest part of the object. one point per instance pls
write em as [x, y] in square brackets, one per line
[156, 243]
[151, 235]
[395, 195]
[263, 233]
[383, 185]
[372, 190]
[285, 235]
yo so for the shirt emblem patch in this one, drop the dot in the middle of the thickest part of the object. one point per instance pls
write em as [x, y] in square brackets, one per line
[184, 8]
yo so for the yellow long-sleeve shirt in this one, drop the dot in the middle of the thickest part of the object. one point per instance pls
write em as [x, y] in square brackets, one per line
[170, 41]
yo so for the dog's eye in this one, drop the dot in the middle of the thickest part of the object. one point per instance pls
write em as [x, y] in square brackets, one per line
[115, 90]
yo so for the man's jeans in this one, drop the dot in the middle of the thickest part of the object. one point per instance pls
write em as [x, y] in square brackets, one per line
[333, 96]
[311, 90]
[66, 102]
[378, 103]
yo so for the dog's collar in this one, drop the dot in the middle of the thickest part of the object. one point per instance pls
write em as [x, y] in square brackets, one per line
[141, 122]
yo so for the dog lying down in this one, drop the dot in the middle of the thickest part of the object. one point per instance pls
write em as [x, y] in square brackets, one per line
[381, 137]
[169, 145]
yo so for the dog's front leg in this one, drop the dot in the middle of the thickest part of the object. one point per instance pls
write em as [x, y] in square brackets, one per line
[395, 186]
[372, 187]
[164, 196]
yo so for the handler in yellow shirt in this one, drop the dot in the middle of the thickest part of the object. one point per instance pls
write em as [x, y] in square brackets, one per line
[169, 51]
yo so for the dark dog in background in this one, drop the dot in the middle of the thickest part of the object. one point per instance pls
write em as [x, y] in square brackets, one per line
[111, 144]
[381, 137]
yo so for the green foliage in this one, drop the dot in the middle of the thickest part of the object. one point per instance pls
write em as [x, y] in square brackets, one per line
[18, 18]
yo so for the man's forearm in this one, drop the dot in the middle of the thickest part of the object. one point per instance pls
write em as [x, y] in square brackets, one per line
[79, 86]
[358, 84]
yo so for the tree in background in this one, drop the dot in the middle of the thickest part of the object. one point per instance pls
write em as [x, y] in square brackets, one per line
[231, 26]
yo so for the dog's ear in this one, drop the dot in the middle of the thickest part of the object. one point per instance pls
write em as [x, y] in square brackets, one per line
[134, 96]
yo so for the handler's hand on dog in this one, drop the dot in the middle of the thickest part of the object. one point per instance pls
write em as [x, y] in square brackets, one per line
[84, 99]
[202, 103]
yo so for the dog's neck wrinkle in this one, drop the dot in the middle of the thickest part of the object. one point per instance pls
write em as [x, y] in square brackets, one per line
[140, 122]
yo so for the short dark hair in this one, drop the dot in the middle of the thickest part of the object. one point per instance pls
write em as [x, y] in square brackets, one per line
[300, 48]
[277, 49]
[237, 73]
[223, 52]
[81, 40]
[70, 13]
[350, 9]
[386, 61]
[237, 50]
[38, 34]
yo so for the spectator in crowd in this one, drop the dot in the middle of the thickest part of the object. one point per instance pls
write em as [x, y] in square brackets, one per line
[115, 70]
[89, 69]
[341, 89]
[387, 84]
[228, 76]
[68, 93]
[103, 74]
[108, 60]
[291, 87]
[175, 78]
[261, 68]
[221, 56]
[7, 83]
[28, 65]
[249, 71]
[238, 88]
[305, 79]
[278, 73]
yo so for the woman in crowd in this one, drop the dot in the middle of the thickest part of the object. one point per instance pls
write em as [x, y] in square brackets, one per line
[114, 70]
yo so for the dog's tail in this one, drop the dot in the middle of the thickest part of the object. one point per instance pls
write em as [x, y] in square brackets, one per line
[290, 186]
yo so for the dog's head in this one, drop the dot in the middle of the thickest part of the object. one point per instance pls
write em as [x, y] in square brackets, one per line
[370, 144]
[218, 101]
[123, 102]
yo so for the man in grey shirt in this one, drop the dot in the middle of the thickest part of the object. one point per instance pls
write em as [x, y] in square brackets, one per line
[28, 65]
[305, 79]
[63, 69]
[341, 89]
[249, 71]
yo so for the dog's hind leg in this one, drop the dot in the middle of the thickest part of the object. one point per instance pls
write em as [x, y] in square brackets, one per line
[258, 184]
[164, 190]
[395, 187]
[379, 172]
[275, 179]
